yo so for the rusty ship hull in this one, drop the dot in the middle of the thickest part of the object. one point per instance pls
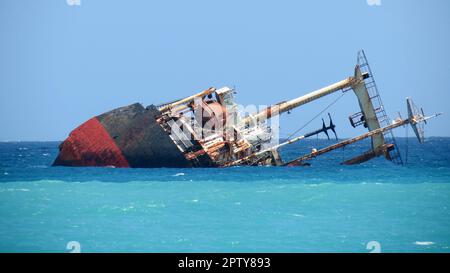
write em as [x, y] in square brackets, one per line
[207, 129]
[124, 137]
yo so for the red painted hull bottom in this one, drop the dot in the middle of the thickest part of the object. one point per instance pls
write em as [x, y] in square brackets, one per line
[125, 137]
[90, 145]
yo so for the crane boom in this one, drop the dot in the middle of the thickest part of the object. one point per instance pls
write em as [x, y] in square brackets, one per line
[283, 107]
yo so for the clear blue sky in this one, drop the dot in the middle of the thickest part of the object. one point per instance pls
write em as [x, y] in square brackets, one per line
[61, 64]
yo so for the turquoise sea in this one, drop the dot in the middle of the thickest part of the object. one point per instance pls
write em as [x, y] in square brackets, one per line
[326, 207]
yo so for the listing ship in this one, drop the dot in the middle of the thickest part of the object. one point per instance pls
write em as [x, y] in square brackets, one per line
[208, 130]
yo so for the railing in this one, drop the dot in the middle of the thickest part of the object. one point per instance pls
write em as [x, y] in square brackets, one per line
[378, 106]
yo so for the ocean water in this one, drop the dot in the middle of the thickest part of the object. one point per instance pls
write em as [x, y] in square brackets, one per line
[326, 207]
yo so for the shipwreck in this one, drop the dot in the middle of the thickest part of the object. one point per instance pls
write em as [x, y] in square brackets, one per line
[207, 130]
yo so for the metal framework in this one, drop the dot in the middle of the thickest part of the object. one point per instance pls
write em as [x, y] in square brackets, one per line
[375, 97]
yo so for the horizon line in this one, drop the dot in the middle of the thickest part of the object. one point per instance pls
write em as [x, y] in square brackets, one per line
[282, 138]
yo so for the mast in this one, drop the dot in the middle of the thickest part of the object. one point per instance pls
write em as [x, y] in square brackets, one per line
[283, 107]
[413, 120]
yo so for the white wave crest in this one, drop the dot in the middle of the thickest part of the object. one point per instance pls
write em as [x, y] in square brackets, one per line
[423, 243]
